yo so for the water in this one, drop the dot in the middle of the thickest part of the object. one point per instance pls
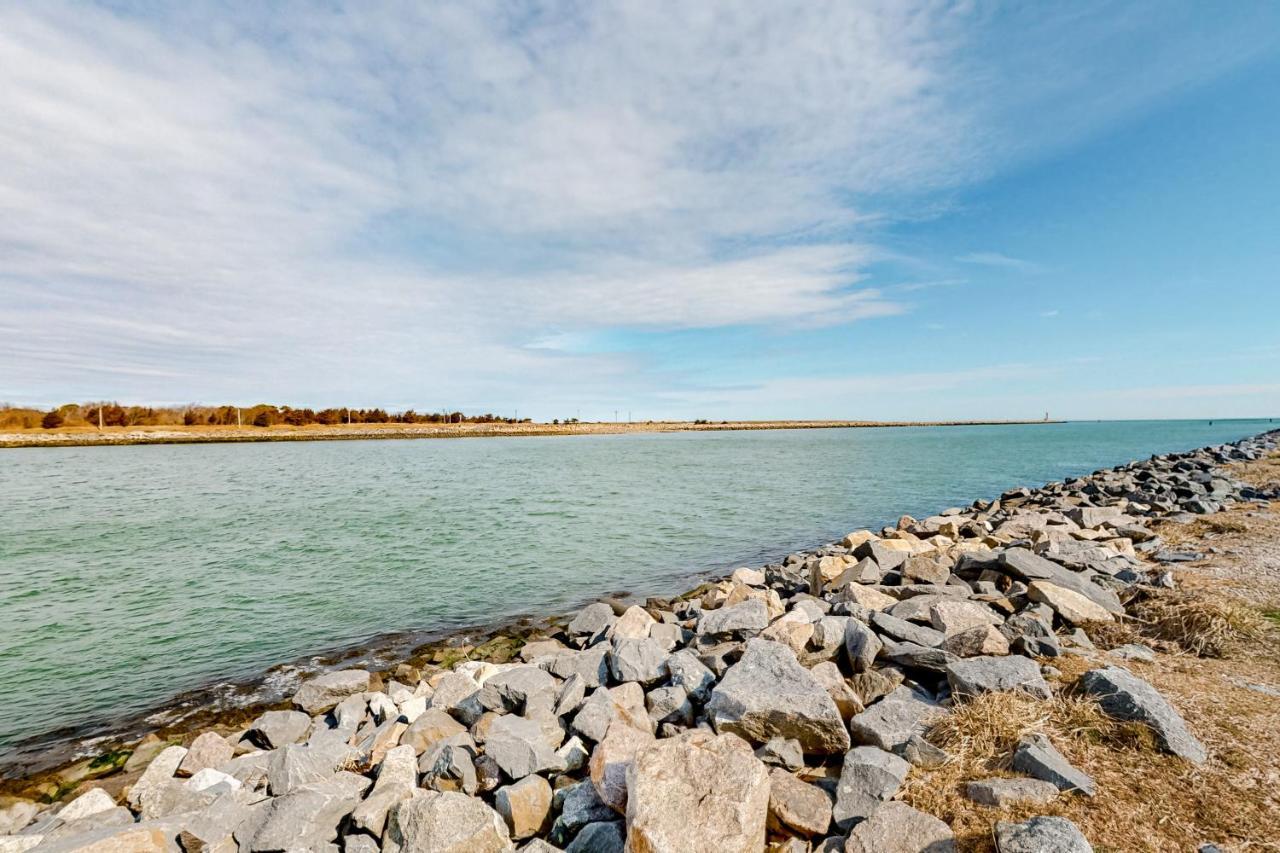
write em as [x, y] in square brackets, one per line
[128, 574]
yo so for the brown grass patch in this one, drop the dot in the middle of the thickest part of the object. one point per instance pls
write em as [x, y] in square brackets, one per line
[1204, 624]
[1146, 801]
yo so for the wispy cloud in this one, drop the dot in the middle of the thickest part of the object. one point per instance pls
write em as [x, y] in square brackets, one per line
[1052, 312]
[995, 259]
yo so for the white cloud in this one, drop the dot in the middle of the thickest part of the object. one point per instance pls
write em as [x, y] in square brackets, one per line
[399, 199]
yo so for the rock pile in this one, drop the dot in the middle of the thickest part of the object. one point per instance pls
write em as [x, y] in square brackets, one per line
[785, 706]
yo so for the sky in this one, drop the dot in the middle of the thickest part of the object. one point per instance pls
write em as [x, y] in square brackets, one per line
[865, 210]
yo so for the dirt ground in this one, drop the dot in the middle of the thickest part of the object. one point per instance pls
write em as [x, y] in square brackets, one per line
[1148, 801]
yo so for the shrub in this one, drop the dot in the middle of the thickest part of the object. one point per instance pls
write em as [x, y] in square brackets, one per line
[52, 420]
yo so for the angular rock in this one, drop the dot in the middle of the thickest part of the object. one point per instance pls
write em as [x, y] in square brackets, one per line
[869, 778]
[156, 777]
[1074, 608]
[697, 792]
[207, 750]
[768, 694]
[91, 802]
[611, 762]
[274, 729]
[523, 689]
[979, 640]
[397, 779]
[519, 746]
[1036, 756]
[861, 645]
[433, 726]
[1041, 835]
[691, 674]
[458, 695]
[435, 822]
[325, 691]
[972, 676]
[602, 837]
[592, 620]
[1124, 696]
[634, 624]
[749, 617]
[782, 752]
[591, 665]
[1008, 792]
[900, 629]
[796, 806]
[952, 617]
[890, 723]
[897, 828]
[640, 660]
[306, 818]
[1028, 566]
[525, 806]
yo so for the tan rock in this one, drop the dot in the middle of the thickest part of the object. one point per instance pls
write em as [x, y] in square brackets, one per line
[525, 806]
[865, 596]
[698, 791]
[857, 537]
[895, 827]
[431, 727]
[445, 822]
[633, 624]
[837, 686]
[1073, 607]
[797, 806]
[976, 641]
[952, 617]
[611, 759]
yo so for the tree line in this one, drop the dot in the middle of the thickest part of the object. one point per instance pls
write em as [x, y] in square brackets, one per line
[261, 415]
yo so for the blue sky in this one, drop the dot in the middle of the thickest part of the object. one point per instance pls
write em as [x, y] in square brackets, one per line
[739, 210]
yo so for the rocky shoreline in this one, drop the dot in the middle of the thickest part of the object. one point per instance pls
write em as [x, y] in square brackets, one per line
[783, 708]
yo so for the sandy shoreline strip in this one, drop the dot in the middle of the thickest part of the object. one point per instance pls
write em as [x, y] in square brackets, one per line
[89, 436]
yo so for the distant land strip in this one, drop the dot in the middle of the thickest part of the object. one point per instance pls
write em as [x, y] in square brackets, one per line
[80, 436]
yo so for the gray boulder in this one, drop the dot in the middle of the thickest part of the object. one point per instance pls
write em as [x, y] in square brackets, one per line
[448, 822]
[747, 617]
[861, 645]
[891, 722]
[641, 660]
[274, 729]
[895, 827]
[305, 818]
[1041, 835]
[769, 694]
[971, 676]
[1123, 695]
[1007, 792]
[592, 620]
[1036, 756]
[325, 691]
[869, 778]
[519, 747]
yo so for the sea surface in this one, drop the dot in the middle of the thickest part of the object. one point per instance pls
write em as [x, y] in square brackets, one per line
[130, 574]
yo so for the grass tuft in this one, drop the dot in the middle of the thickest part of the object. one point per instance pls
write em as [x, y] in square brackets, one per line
[1203, 624]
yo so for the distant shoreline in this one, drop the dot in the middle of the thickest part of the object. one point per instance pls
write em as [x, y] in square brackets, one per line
[90, 436]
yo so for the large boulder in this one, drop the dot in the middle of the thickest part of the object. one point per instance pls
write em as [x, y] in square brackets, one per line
[1028, 566]
[448, 822]
[769, 694]
[1123, 695]
[971, 676]
[895, 827]
[519, 746]
[306, 818]
[325, 691]
[525, 806]
[697, 791]
[1041, 835]
[611, 762]
[749, 617]
[274, 729]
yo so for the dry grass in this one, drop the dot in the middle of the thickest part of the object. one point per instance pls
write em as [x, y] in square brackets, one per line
[1146, 801]
[1204, 624]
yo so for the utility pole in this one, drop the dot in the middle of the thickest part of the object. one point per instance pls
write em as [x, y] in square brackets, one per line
[237, 417]
[99, 418]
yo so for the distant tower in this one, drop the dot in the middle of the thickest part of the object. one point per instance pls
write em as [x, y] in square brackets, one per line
[1046, 417]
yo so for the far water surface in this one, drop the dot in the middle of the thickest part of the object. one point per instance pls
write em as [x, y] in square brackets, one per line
[129, 574]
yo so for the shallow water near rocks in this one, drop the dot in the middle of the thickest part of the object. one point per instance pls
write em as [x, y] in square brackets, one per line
[130, 574]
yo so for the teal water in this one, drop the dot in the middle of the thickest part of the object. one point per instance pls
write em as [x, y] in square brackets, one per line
[129, 574]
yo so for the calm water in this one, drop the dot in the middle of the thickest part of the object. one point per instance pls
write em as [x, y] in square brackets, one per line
[128, 574]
